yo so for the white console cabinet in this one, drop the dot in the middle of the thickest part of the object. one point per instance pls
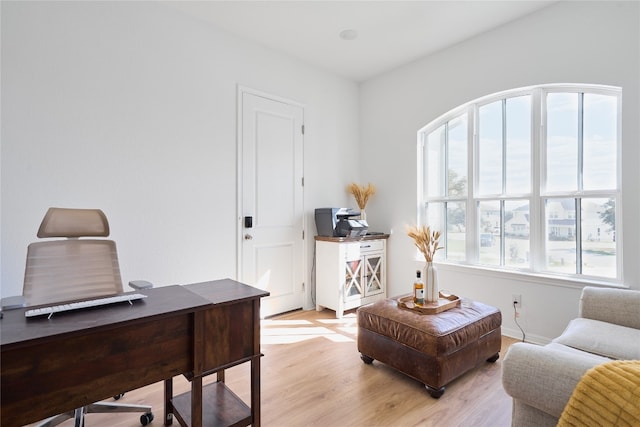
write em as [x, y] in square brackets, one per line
[350, 272]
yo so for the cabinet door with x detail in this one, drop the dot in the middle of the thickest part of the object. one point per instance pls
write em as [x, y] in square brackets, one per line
[353, 279]
[373, 274]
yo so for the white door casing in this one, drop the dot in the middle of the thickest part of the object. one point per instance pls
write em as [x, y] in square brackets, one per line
[270, 156]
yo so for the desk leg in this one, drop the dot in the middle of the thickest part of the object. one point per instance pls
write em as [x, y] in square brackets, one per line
[255, 391]
[196, 402]
[168, 406]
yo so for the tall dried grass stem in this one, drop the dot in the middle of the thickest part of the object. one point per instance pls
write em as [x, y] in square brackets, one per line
[361, 193]
[425, 240]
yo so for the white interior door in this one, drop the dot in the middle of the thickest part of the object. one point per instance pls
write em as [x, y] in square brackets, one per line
[271, 221]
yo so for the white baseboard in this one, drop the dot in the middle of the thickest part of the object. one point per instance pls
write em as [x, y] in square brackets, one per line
[532, 338]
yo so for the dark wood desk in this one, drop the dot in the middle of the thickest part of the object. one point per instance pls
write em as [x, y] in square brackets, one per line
[50, 366]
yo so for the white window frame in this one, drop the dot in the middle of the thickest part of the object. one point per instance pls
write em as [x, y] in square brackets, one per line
[536, 270]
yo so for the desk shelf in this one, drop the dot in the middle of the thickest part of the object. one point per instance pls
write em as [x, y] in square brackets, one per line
[221, 407]
[225, 334]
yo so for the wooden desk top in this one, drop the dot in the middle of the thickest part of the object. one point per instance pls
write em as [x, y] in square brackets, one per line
[225, 291]
[16, 330]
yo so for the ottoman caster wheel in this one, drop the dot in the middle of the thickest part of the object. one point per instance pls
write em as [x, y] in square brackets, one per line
[493, 358]
[366, 359]
[435, 392]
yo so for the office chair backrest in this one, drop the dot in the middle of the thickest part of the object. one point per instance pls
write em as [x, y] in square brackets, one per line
[73, 268]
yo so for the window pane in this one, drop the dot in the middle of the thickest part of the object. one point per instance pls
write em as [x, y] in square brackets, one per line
[600, 141]
[516, 233]
[435, 219]
[489, 237]
[434, 163]
[560, 216]
[490, 148]
[455, 246]
[457, 157]
[562, 142]
[455, 237]
[518, 145]
[598, 237]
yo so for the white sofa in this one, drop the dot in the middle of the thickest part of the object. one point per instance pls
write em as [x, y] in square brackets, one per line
[540, 379]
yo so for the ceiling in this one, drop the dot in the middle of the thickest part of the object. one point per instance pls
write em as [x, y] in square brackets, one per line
[389, 33]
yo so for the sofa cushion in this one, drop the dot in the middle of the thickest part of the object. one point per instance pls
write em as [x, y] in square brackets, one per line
[605, 339]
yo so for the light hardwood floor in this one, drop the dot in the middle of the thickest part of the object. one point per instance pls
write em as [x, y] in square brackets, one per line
[312, 375]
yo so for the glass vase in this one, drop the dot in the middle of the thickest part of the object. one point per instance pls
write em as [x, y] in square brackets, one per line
[431, 289]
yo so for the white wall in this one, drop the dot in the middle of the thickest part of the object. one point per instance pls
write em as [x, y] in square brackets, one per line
[131, 107]
[570, 42]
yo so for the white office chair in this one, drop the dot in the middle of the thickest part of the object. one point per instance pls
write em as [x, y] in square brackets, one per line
[75, 269]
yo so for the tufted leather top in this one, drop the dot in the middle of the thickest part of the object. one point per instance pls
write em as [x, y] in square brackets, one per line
[435, 334]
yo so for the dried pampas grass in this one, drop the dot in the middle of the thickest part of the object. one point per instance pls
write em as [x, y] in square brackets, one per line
[361, 193]
[425, 240]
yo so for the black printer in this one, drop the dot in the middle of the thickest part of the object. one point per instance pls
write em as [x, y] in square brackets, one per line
[340, 222]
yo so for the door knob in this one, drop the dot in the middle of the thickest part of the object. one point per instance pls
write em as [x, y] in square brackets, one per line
[248, 237]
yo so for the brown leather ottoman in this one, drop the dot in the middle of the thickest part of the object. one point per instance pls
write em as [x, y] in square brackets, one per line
[432, 348]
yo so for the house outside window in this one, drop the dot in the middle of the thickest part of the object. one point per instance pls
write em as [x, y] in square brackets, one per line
[527, 180]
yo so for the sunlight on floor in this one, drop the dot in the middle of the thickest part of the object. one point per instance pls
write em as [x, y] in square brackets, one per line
[282, 331]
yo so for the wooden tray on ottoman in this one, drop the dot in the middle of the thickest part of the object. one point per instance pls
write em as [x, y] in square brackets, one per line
[445, 302]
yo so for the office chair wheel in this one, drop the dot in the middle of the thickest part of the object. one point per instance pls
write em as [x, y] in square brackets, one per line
[118, 396]
[146, 418]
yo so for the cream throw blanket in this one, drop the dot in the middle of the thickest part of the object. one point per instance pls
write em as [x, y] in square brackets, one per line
[607, 395]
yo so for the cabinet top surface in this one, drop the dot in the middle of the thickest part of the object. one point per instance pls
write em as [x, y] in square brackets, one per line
[352, 239]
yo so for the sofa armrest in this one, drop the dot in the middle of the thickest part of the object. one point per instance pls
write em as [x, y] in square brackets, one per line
[618, 306]
[544, 377]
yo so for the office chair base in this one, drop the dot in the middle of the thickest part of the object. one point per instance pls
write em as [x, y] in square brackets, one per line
[99, 408]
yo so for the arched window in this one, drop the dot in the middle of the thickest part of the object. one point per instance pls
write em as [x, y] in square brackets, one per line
[527, 180]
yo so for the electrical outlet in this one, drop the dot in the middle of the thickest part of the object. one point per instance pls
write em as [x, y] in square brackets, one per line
[517, 299]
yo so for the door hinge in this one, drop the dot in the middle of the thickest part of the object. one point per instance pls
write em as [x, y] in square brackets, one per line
[302, 286]
[302, 234]
[302, 179]
[302, 129]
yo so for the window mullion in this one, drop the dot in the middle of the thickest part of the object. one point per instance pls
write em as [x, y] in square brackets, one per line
[504, 180]
[580, 142]
[578, 208]
[580, 171]
[538, 169]
[472, 173]
[445, 190]
[504, 146]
